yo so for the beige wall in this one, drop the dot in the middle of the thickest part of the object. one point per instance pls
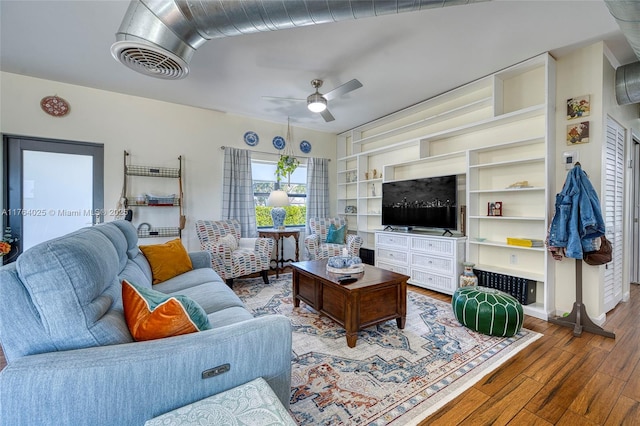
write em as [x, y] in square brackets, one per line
[586, 72]
[154, 132]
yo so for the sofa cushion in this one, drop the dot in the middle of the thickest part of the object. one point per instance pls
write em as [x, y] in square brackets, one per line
[228, 316]
[187, 280]
[213, 296]
[167, 260]
[72, 282]
[152, 315]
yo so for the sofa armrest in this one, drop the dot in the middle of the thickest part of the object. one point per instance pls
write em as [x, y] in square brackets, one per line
[200, 259]
[131, 383]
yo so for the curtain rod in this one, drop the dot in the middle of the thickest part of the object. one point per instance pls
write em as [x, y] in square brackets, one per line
[273, 153]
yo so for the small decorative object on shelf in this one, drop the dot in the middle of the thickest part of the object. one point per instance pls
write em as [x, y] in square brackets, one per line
[520, 184]
[375, 174]
[468, 278]
[6, 245]
[350, 209]
[494, 208]
[373, 190]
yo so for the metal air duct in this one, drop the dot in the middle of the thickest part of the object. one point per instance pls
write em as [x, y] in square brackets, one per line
[627, 15]
[159, 37]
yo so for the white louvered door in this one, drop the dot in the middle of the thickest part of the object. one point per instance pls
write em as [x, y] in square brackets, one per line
[614, 211]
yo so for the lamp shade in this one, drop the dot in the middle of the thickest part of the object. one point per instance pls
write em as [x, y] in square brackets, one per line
[316, 102]
[278, 198]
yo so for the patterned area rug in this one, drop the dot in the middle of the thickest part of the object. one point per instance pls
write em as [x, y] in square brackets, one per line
[392, 376]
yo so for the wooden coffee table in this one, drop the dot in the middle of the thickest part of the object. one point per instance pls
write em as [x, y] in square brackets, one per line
[378, 296]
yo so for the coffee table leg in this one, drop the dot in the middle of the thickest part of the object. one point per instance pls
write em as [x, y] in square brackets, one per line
[351, 339]
[296, 289]
[401, 321]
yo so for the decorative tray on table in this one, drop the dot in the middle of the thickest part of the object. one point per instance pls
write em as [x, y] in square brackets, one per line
[345, 265]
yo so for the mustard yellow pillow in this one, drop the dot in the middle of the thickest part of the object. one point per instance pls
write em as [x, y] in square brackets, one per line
[167, 260]
[153, 315]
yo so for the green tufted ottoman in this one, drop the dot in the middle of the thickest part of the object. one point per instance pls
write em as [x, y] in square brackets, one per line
[487, 310]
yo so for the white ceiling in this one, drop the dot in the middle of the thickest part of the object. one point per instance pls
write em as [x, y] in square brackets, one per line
[400, 59]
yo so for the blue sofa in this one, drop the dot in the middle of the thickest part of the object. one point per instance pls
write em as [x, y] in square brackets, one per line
[72, 361]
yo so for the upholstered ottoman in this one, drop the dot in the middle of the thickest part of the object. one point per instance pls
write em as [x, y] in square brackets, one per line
[253, 403]
[487, 310]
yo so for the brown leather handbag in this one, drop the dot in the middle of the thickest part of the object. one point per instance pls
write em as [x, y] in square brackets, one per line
[601, 256]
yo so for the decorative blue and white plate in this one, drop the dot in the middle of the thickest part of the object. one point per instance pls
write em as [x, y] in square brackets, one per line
[279, 142]
[305, 147]
[251, 138]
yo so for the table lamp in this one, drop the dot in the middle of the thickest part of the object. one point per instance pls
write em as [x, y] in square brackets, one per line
[278, 199]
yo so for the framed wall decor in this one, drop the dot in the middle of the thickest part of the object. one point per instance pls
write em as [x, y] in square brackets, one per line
[578, 133]
[578, 107]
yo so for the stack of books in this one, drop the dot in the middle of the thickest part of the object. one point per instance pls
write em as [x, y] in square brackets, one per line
[524, 290]
[525, 242]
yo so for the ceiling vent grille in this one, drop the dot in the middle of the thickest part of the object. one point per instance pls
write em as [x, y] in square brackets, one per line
[176, 28]
[146, 59]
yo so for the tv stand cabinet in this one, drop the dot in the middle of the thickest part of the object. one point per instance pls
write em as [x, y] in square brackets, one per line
[432, 261]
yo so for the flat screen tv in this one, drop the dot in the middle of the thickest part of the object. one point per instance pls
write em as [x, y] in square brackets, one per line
[426, 203]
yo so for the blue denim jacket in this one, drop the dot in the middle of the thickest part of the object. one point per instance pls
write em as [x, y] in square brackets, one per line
[578, 219]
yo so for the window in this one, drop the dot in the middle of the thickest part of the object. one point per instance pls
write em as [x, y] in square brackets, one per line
[264, 181]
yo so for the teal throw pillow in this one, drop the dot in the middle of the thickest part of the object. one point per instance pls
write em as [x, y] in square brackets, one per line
[336, 236]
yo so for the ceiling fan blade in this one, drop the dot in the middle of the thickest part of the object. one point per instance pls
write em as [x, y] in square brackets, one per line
[278, 98]
[327, 115]
[341, 90]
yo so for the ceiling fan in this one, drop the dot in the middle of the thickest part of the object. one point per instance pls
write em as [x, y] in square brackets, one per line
[317, 102]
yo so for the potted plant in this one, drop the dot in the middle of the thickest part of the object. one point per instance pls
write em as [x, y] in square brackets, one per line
[287, 164]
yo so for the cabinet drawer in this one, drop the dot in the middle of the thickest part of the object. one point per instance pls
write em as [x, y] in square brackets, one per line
[400, 241]
[428, 245]
[433, 263]
[404, 270]
[433, 281]
[393, 255]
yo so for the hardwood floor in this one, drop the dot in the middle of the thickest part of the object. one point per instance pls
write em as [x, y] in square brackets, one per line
[557, 380]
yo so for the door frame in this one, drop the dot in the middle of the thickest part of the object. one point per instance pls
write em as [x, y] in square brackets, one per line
[12, 157]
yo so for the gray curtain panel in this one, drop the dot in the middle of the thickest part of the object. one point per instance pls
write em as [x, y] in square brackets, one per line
[237, 198]
[317, 189]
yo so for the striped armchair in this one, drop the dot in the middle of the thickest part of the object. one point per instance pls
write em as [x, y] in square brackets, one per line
[318, 248]
[231, 255]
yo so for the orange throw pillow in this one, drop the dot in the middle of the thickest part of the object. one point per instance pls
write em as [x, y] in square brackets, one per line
[151, 314]
[167, 260]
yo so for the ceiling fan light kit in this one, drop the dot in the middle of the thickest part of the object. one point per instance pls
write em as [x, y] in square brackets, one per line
[316, 103]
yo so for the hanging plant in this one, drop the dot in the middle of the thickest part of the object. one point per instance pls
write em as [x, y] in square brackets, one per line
[287, 164]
